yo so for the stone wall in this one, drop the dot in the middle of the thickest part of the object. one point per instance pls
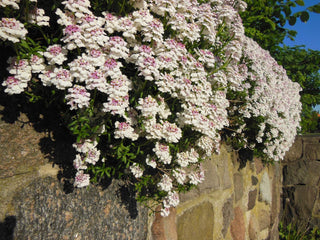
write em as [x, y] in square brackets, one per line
[232, 203]
[37, 202]
[301, 181]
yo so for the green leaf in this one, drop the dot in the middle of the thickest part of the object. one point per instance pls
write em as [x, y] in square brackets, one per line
[304, 16]
[300, 2]
[292, 20]
[314, 8]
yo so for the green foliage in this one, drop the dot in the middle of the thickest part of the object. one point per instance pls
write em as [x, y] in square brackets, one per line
[264, 20]
[303, 67]
[298, 232]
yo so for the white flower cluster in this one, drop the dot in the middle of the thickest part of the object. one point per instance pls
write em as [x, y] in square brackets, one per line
[12, 3]
[196, 80]
[12, 30]
[37, 17]
[276, 99]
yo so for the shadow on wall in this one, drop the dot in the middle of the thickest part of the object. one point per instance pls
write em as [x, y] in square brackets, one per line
[56, 145]
[7, 228]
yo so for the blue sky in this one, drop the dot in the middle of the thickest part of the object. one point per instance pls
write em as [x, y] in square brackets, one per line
[308, 33]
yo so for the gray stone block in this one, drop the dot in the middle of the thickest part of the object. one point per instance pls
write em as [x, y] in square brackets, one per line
[44, 211]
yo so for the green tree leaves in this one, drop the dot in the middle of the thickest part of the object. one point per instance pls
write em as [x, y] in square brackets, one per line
[264, 21]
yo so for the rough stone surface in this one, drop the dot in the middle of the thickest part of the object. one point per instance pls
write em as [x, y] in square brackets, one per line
[259, 165]
[224, 172]
[265, 189]
[276, 201]
[311, 152]
[212, 181]
[238, 186]
[252, 199]
[228, 215]
[45, 211]
[237, 227]
[194, 193]
[301, 181]
[304, 200]
[264, 219]
[254, 180]
[164, 228]
[296, 150]
[196, 223]
[20, 158]
[253, 228]
[302, 172]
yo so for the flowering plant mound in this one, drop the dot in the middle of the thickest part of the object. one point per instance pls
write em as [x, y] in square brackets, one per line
[151, 86]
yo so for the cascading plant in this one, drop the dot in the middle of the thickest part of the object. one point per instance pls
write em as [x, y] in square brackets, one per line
[150, 85]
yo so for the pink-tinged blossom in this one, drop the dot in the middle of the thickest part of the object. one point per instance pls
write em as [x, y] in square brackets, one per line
[79, 7]
[171, 200]
[111, 22]
[37, 16]
[12, 30]
[165, 184]
[78, 163]
[95, 36]
[73, 37]
[153, 129]
[116, 105]
[164, 110]
[151, 161]
[78, 97]
[65, 18]
[46, 76]
[84, 146]
[92, 156]
[119, 86]
[80, 69]
[148, 68]
[95, 57]
[37, 64]
[148, 106]
[14, 85]
[206, 57]
[124, 130]
[161, 7]
[142, 18]
[162, 151]
[185, 30]
[196, 177]
[166, 83]
[20, 68]
[153, 31]
[171, 132]
[96, 80]
[165, 212]
[61, 78]
[81, 179]
[180, 175]
[118, 48]
[136, 170]
[185, 158]
[112, 68]
[206, 144]
[55, 54]
[167, 60]
[126, 26]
